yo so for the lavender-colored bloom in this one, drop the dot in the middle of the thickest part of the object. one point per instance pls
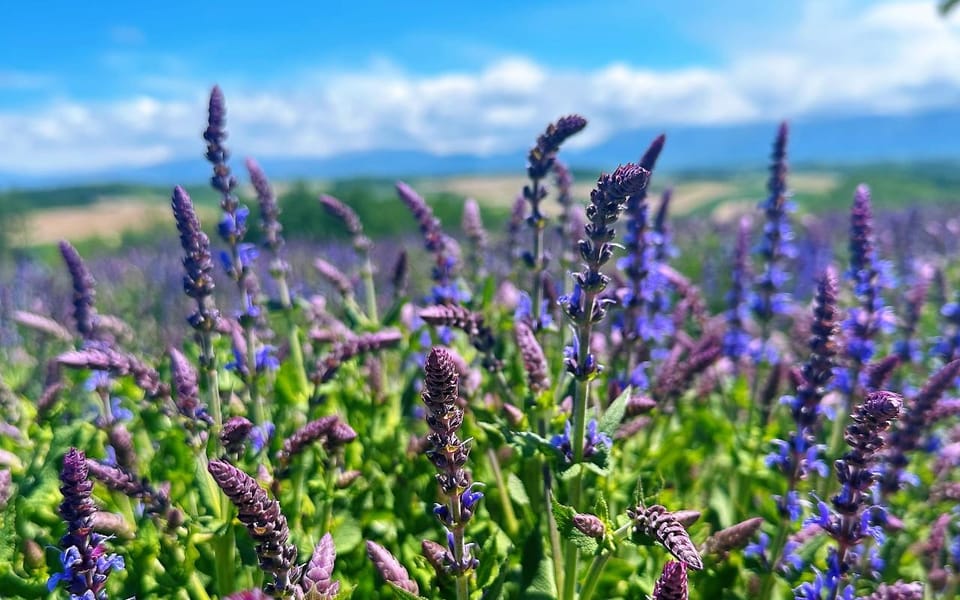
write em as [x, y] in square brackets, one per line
[736, 340]
[850, 521]
[769, 299]
[657, 523]
[916, 420]
[672, 584]
[644, 301]
[349, 218]
[390, 568]
[317, 582]
[234, 434]
[84, 558]
[186, 390]
[534, 360]
[84, 312]
[868, 319]
[524, 311]
[265, 523]
[330, 429]
[592, 438]
[261, 435]
[444, 272]
[118, 364]
[197, 261]
[269, 209]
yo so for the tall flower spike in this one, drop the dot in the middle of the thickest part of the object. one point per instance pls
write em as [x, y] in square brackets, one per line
[897, 591]
[265, 523]
[472, 225]
[534, 361]
[658, 523]
[390, 568]
[197, 261]
[317, 582]
[269, 209]
[334, 433]
[84, 313]
[348, 217]
[186, 389]
[85, 562]
[769, 299]
[445, 289]
[736, 340]
[118, 364]
[672, 584]
[910, 429]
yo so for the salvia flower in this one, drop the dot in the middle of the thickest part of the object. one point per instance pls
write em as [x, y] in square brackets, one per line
[906, 436]
[865, 321]
[84, 557]
[800, 453]
[672, 584]
[591, 439]
[269, 209]
[589, 525]
[348, 217]
[471, 323]
[234, 434]
[534, 360]
[851, 521]
[317, 582]
[732, 538]
[354, 346]
[897, 591]
[118, 364]
[639, 265]
[444, 273]
[657, 523]
[736, 340]
[197, 261]
[472, 225]
[265, 523]
[449, 455]
[84, 312]
[331, 429]
[769, 299]
[42, 324]
[390, 568]
[186, 391]
[119, 479]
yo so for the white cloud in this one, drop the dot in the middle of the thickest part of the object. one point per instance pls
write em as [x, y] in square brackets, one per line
[888, 58]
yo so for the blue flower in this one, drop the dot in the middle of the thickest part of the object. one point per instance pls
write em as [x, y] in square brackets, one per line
[266, 359]
[758, 549]
[260, 435]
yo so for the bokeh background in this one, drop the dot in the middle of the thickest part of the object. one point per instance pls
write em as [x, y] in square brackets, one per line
[102, 105]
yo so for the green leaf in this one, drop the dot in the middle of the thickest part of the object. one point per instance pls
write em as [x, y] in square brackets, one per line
[613, 416]
[564, 517]
[601, 509]
[392, 316]
[403, 594]
[516, 490]
[536, 570]
[347, 535]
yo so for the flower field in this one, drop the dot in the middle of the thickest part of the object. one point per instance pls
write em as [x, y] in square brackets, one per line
[595, 400]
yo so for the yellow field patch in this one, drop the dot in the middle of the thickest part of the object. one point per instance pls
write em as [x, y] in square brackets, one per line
[106, 219]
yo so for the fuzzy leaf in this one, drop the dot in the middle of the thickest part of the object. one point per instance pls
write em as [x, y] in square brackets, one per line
[613, 416]
[516, 490]
[564, 517]
[403, 594]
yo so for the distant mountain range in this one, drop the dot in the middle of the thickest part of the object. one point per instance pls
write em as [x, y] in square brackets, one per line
[814, 141]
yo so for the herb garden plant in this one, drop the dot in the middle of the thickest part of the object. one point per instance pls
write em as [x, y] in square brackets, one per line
[555, 411]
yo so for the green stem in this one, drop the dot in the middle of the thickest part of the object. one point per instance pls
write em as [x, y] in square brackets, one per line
[330, 479]
[599, 562]
[555, 545]
[369, 289]
[581, 395]
[509, 516]
[293, 337]
[459, 548]
[259, 417]
[299, 479]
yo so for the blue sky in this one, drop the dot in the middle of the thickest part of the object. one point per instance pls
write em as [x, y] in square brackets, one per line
[89, 86]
